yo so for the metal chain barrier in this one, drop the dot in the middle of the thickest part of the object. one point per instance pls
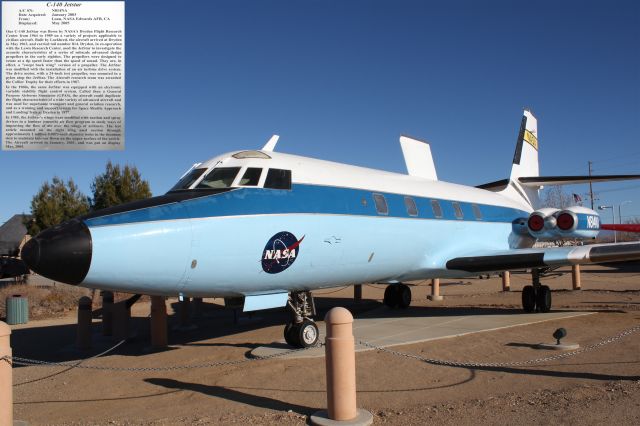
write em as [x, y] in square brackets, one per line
[71, 367]
[469, 364]
[78, 364]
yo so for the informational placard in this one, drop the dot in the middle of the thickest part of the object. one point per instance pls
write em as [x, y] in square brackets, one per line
[62, 75]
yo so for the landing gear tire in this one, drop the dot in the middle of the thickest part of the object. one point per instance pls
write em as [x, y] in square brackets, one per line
[306, 334]
[543, 299]
[289, 335]
[301, 331]
[397, 296]
[390, 297]
[529, 299]
[404, 296]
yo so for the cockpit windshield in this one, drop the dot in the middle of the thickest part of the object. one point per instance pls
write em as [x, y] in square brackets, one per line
[187, 180]
[220, 177]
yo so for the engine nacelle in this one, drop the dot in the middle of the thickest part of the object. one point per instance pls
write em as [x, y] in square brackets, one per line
[578, 222]
[574, 222]
[542, 223]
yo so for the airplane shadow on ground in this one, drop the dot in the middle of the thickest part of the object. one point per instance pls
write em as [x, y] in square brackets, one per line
[557, 374]
[232, 395]
[57, 343]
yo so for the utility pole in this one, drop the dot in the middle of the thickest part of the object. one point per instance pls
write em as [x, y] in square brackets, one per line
[590, 185]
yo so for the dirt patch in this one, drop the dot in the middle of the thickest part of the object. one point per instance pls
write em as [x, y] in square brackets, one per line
[44, 302]
[596, 387]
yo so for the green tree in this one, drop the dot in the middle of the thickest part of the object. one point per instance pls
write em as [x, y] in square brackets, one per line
[55, 203]
[118, 185]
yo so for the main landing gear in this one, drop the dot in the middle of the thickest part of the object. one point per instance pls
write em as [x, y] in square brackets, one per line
[397, 296]
[536, 297]
[302, 331]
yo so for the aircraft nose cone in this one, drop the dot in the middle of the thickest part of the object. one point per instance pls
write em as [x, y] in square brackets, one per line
[61, 253]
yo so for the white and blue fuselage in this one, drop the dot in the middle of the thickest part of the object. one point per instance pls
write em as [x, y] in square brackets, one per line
[334, 225]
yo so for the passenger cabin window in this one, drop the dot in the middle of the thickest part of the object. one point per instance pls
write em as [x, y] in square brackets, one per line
[187, 180]
[278, 179]
[410, 204]
[476, 211]
[220, 177]
[251, 176]
[437, 210]
[457, 210]
[381, 204]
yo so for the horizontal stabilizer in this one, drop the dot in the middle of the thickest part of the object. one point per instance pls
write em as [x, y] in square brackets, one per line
[418, 158]
[543, 258]
[568, 180]
[537, 181]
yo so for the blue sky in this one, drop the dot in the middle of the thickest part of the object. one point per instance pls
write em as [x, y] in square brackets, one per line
[342, 80]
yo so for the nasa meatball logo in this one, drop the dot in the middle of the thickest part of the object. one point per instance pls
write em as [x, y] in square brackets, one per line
[280, 252]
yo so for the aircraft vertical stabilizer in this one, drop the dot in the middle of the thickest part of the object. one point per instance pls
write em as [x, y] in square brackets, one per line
[525, 163]
[525, 159]
[418, 158]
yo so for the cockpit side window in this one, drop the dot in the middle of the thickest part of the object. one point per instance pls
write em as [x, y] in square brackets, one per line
[278, 179]
[187, 180]
[251, 177]
[220, 177]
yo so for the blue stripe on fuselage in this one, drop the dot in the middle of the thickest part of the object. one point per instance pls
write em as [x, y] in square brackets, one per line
[302, 198]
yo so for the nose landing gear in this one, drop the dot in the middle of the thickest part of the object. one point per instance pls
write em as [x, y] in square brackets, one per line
[302, 331]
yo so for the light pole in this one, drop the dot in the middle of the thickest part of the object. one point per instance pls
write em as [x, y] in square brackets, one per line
[620, 210]
[613, 213]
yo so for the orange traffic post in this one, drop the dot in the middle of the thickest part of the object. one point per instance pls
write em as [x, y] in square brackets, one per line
[158, 322]
[6, 376]
[85, 318]
[340, 360]
[506, 281]
[575, 277]
[435, 290]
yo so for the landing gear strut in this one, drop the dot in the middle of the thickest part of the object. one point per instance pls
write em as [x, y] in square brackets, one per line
[536, 297]
[397, 296]
[302, 331]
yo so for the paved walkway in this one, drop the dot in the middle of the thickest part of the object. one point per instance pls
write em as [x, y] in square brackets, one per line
[379, 328]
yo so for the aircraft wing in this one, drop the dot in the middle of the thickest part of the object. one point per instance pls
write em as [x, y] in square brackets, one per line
[544, 257]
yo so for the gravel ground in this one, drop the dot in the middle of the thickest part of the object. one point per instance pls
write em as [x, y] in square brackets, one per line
[600, 386]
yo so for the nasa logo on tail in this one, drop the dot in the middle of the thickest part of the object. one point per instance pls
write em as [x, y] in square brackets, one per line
[280, 252]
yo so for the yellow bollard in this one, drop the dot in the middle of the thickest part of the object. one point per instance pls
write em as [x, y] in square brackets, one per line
[435, 291]
[6, 377]
[506, 281]
[83, 336]
[575, 277]
[158, 322]
[340, 360]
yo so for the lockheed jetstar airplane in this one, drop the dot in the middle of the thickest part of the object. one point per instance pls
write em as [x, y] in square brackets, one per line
[266, 228]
